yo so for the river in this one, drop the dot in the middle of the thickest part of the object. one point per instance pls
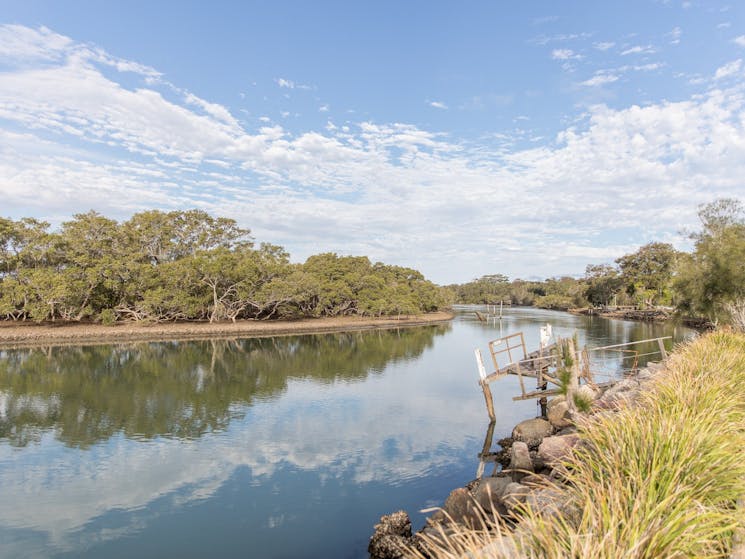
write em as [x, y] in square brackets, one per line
[285, 447]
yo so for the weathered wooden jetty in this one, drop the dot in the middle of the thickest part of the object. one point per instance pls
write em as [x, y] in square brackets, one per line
[493, 311]
[510, 357]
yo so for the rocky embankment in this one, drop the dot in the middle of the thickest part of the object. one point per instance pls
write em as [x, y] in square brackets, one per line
[531, 462]
[659, 314]
[645, 315]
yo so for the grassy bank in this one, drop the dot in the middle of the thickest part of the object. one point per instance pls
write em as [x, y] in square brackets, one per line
[659, 479]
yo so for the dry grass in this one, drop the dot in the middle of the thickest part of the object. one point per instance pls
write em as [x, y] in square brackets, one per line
[659, 479]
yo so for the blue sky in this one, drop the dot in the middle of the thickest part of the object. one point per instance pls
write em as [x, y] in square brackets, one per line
[458, 138]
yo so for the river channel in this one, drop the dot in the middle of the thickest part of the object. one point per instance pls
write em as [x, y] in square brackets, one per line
[284, 447]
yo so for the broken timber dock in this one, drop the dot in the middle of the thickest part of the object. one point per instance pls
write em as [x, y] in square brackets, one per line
[557, 362]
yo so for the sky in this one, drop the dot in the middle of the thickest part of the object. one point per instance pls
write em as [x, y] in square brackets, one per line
[458, 138]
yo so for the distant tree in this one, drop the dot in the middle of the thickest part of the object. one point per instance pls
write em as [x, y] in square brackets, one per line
[560, 293]
[647, 273]
[603, 282]
[711, 280]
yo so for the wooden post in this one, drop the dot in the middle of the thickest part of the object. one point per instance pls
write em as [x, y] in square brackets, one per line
[480, 364]
[488, 439]
[485, 385]
[520, 377]
[573, 376]
[488, 399]
[663, 352]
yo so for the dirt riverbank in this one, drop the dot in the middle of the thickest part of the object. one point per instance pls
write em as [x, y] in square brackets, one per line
[22, 334]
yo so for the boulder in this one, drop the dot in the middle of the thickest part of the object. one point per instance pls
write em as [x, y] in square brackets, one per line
[587, 393]
[557, 412]
[547, 500]
[520, 462]
[619, 395]
[532, 431]
[566, 430]
[538, 463]
[391, 537]
[514, 495]
[555, 449]
[488, 493]
[621, 386]
[460, 507]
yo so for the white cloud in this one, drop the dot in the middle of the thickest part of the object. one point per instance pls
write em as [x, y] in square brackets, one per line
[437, 104]
[648, 67]
[604, 45]
[560, 38]
[281, 82]
[739, 41]
[675, 35]
[728, 70]
[323, 109]
[74, 137]
[289, 84]
[564, 54]
[639, 49]
[601, 78]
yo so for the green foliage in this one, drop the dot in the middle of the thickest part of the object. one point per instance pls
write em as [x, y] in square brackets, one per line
[107, 317]
[603, 283]
[582, 403]
[555, 301]
[648, 273]
[711, 281]
[164, 266]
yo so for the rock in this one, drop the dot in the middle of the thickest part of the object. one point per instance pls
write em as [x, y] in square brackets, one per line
[505, 443]
[538, 480]
[391, 536]
[520, 462]
[654, 367]
[619, 395]
[644, 375]
[555, 449]
[538, 463]
[587, 393]
[621, 386]
[489, 493]
[557, 412]
[548, 501]
[514, 495]
[460, 507]
[532, 431]
[566, 431]
[388, 546]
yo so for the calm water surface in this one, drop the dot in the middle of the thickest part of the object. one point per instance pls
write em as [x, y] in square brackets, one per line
[273, 448]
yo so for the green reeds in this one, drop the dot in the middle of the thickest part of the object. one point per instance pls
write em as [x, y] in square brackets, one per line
[659, 479]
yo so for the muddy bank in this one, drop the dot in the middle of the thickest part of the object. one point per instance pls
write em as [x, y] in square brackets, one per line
[22, 334]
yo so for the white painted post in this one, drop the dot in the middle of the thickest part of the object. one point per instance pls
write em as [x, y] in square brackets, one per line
[480, 363]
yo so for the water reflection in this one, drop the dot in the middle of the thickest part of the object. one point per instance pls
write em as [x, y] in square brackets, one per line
[183, 390]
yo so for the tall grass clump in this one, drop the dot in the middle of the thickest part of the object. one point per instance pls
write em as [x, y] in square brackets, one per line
[658, 479]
